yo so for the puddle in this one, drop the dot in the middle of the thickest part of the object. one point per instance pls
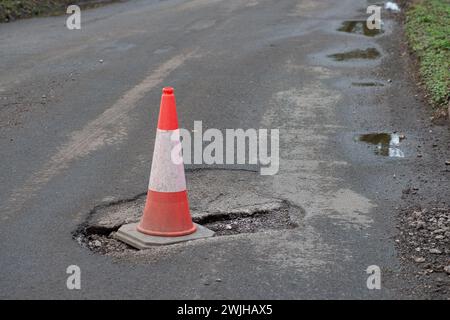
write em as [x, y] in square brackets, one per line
[367, 84]
[370, 53]
[358, 27]
[386, 144]
[97, 233]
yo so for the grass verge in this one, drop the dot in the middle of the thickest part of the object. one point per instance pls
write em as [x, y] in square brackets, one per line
[428, 30]
[11, 10]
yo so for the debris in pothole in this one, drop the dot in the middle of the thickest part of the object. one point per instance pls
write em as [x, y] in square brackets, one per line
[419, 259]
[447, 269]
[435, 251]
[96, 243]
[273, 216]
[102, 244]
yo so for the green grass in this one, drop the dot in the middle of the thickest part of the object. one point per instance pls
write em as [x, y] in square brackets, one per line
[11, 10]
[428, 31]
[15, 9]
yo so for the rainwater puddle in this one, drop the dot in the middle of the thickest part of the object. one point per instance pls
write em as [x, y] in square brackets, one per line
[369, 53]
[367, 84]
[386, 144]
[358, 27]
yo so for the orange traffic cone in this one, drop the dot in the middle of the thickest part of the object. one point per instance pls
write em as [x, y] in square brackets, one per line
[166, 211]
[166, 218]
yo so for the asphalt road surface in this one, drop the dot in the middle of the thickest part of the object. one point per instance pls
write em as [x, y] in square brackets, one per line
[78, 117]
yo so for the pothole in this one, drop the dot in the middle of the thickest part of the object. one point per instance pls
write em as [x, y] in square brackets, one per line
[358, 27]
[97, 233]
[369, 53]
[240, 211]
[385, 144]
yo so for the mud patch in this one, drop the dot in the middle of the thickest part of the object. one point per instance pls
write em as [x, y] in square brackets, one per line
[358, 27]
[386, 144]
[369, 54]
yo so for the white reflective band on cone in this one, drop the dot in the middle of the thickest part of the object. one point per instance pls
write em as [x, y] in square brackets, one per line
[166, 175]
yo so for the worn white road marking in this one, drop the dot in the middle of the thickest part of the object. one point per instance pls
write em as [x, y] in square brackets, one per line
[108, 128]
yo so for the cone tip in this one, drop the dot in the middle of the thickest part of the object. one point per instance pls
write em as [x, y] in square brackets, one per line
[167, 90]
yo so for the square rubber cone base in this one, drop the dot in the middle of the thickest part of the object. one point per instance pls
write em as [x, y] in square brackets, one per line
[128, 234]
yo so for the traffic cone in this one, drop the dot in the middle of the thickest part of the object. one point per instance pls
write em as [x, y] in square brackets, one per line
[166, 218]
[166, 211]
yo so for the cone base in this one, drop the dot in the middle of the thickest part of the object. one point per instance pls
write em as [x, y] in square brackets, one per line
[166, 234]
[130, 235]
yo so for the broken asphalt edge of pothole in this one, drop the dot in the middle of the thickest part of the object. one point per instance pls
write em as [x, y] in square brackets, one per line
[89, 228]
